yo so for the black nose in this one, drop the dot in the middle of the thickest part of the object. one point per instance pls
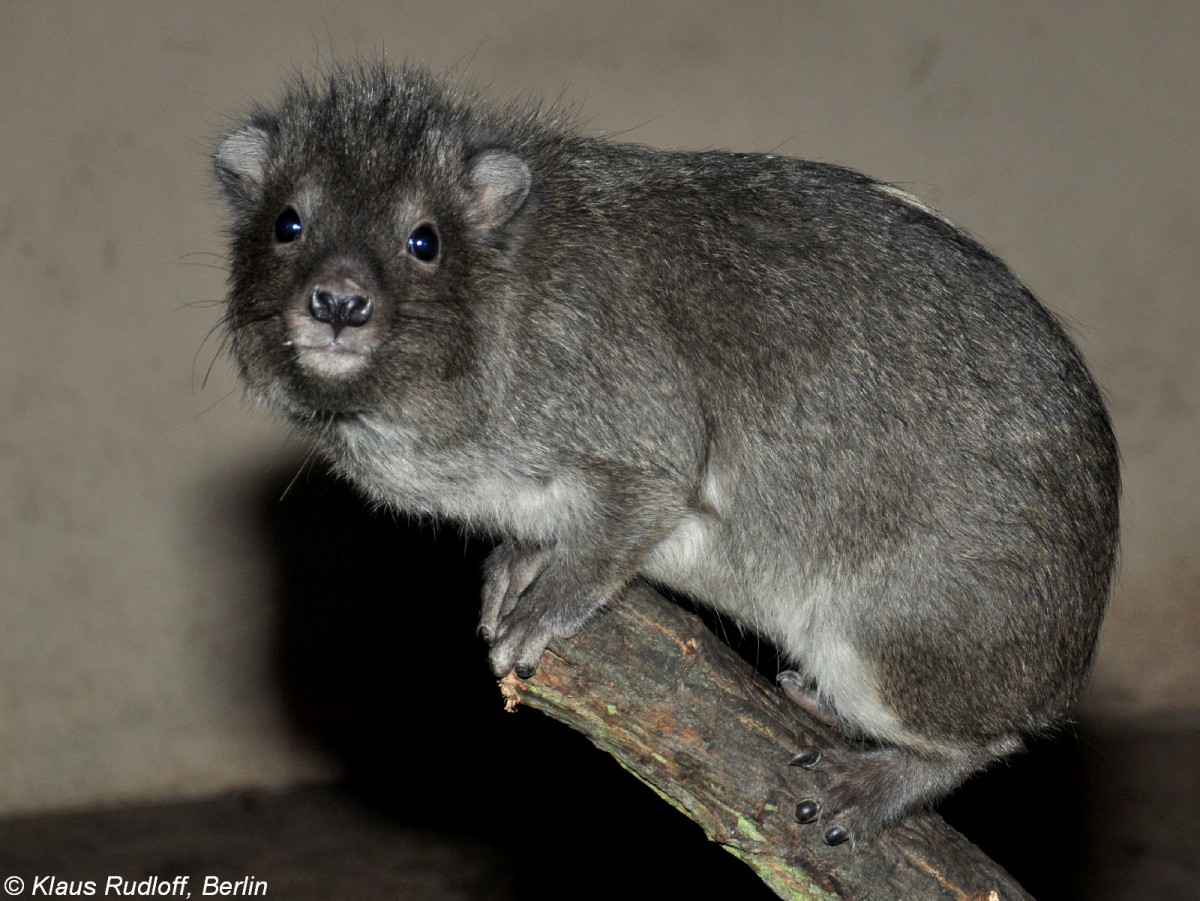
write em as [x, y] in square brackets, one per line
[340, 310]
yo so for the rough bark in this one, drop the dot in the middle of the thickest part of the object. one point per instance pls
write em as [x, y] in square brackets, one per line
[647, 682]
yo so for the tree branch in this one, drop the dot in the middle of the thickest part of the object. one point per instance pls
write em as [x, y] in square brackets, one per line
[647, 682]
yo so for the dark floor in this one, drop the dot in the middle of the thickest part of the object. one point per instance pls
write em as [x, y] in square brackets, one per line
[1104, 817]
[314, 843]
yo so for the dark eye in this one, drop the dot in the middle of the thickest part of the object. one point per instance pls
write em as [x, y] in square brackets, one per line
[423, 243]
[288, 226]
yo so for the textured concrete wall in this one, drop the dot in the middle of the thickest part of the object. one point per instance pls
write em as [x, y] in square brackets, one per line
[135, 641]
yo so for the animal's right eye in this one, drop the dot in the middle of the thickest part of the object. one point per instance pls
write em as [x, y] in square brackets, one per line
[288, 226]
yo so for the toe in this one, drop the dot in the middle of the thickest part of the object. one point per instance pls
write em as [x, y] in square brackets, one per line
[835, 835]
[807, 812]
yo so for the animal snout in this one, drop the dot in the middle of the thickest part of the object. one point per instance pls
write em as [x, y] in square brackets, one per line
[340, 308]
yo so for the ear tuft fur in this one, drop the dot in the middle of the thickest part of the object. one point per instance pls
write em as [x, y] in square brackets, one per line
[241, 163]
[500, 183]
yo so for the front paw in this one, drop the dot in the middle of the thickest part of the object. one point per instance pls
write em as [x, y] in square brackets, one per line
[507, 573]
[519, 644]
[513, 622]
[530, 598]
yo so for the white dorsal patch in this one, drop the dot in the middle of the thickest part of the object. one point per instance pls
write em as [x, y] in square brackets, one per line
[913, 201]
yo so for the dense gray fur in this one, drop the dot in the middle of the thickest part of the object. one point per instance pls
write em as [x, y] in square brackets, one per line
[784, 389]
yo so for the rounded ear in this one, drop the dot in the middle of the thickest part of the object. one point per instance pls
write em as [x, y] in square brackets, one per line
[499, 185]
[241, 163]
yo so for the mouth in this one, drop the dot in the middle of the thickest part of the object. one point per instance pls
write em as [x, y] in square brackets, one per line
[329, 359]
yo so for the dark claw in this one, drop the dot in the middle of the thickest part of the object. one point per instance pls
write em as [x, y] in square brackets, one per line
[808, 758]
[525, 670]
[807, 812]
[835, 835]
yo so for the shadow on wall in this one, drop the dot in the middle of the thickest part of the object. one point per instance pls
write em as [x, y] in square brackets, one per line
[378, 662]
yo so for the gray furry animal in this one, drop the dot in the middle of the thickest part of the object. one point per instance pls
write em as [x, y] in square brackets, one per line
[786, 390]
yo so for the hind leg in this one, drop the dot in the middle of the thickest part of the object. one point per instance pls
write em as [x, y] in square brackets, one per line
[870, 789]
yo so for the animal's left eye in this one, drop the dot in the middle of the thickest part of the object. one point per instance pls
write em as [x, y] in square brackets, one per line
[423, 243]
[288, 226]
